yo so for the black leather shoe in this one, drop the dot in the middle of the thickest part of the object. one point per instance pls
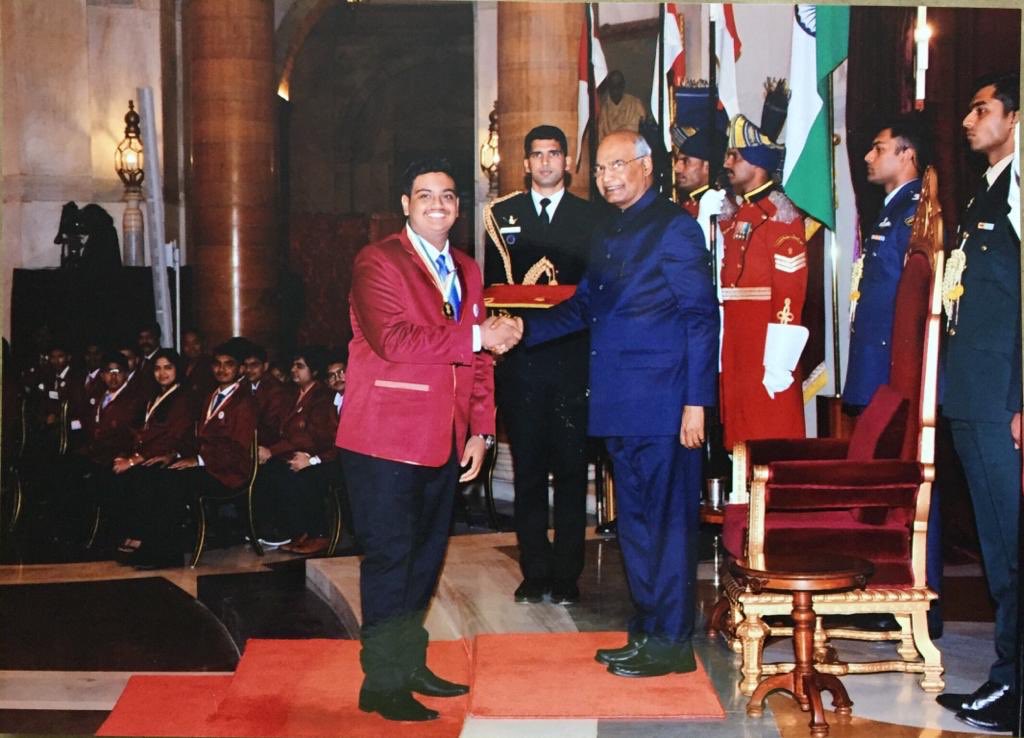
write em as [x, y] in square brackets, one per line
[564, 592]
[651, 662]
[424, 681]
[397, 705]
[983, 696]
[609, 656]
[532, 590]
[999, 715]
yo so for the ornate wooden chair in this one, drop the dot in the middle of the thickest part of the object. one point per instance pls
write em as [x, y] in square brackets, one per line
[867, 497]
[245, 491]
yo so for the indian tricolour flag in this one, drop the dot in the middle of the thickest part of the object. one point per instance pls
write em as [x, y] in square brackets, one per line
[820, 42]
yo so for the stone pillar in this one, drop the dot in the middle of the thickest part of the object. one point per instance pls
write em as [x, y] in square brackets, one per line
[229, 47]
[537, 81]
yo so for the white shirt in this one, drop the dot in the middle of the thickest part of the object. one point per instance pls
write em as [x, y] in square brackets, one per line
[993, 172]
[552, 206]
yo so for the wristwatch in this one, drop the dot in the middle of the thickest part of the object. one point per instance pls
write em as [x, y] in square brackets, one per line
[488, 441]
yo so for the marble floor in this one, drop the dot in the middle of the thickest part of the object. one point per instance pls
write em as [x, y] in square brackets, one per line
[74, 632]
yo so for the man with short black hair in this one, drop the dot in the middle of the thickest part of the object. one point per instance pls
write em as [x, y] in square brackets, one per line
[541, 390]
[270, 395]
[982, 397]
[418, 406]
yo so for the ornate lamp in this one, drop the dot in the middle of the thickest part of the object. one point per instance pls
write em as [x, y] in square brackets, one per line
[128, 160]
[489, 158]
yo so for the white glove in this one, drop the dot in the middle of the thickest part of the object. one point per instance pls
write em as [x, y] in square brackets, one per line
[776, 380]
[783, 345]
[710, 204]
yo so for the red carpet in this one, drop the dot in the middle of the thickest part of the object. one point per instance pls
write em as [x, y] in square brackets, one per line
[310, 689]
[554, 675]
[166, 705]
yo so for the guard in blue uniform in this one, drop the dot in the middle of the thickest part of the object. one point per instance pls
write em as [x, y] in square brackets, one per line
[648, 301]
[983, 307]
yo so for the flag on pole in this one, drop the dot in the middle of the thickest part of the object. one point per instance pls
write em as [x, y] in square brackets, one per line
[820, 43]
[672, 60]
[727, 49]
[589, 53]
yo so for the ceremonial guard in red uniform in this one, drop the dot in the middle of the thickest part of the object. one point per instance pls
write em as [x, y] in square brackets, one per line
[763, 283]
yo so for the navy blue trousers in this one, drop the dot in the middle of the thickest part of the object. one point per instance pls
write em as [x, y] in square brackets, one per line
[993, 466]
[401, 515]
[657, 495]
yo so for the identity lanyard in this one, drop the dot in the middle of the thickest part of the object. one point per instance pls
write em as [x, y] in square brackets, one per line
[156, 403]
[444, 285]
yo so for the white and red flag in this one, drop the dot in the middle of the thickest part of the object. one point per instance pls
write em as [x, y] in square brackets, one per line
[590, 53]
[727, 49]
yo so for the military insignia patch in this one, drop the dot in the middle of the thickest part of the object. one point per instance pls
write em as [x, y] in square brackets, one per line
[886, 223]
[909, 220]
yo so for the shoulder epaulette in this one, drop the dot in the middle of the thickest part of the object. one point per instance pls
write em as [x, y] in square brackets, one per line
[785, 210]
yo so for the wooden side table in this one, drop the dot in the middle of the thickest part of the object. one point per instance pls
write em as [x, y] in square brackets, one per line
[802, 576]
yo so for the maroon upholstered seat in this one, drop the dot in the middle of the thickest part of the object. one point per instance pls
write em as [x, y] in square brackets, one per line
[866, 497]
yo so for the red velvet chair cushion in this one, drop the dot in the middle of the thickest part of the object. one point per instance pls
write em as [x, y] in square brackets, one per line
[887, 546]
[880, 419]
[908, 338]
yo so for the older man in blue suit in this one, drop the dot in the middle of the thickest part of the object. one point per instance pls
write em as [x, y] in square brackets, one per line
[648, 301]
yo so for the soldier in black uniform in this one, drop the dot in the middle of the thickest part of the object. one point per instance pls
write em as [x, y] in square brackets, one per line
[537, 237]
[982, 391]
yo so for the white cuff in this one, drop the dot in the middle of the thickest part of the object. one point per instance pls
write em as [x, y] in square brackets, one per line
[478, 342]
[783, 345]
[76, 425]
[314, 460]
[199, 459]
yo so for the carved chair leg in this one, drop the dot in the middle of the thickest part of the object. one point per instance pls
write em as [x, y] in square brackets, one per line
[907, 650]
[16, 505]
[335, 503]
[932, 681]
[717, 618]
[95, 527]
[752, 632]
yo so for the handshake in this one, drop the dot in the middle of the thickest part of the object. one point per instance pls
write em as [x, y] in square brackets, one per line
[500, 333]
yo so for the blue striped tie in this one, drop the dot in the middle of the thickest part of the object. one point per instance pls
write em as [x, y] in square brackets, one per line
[453, 292]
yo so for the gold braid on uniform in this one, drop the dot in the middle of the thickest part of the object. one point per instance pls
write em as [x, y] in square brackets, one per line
[855, 275]
[494, 231]
[542, 268]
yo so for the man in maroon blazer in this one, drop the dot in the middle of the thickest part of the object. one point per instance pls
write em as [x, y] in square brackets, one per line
[273, 400]
[222, 462]
[418, 406]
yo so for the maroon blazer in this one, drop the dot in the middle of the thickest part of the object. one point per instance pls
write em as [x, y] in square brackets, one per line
[310, 425]
[273, 401]
[224, 440]
[199, 377]
[169, 428]
[413, 381]
[111, 430]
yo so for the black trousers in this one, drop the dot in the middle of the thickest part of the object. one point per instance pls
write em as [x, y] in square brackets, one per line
[293, 502]
[162, 502]
[542, 396]
[401, 515]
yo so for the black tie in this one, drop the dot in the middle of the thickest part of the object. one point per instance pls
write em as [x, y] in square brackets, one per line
[544, 217]
[218, 400]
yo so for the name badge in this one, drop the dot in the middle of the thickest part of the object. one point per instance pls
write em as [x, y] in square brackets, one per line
[53, 394]
[986, 226]
[877, 237]
[511, 229]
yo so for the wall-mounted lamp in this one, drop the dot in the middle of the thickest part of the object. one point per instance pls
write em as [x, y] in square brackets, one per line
[128, 163]
[489, 158]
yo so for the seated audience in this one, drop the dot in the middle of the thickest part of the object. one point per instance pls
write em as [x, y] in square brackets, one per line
[165, 436]
[297, 468]
[221, 463]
